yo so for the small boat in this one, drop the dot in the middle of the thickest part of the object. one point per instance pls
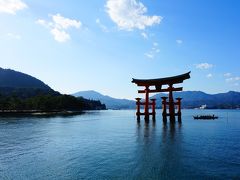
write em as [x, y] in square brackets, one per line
[204, 117]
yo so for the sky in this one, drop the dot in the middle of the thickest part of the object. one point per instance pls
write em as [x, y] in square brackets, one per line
[77, 45]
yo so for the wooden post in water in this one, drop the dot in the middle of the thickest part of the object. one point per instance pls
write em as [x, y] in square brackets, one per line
[138, 103]
[171, 104]
[146, 110]
[153, 109]
[179, 113]
[164, 109]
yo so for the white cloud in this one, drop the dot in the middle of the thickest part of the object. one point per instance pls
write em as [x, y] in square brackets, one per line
[59, 25]
[103, 27]
[60, 35]
[209, 75]
[154, 50]
[41, 22]
[179, 41]
[14, 36]
[227, 75]
[65, 23]
[130, 14]
[149, 55]
[11, 6]
[204, 66]
[229, 79]
[233, 79]
[144, 35]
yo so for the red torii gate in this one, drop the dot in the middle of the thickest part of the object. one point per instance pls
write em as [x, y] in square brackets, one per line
[158, 83]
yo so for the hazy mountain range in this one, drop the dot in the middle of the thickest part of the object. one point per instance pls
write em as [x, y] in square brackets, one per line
[110, 102]
[194, 99]
[191, 99]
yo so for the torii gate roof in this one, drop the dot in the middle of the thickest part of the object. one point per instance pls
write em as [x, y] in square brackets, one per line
[162, 81]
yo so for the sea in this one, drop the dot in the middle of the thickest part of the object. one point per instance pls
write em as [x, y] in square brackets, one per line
[112, 144]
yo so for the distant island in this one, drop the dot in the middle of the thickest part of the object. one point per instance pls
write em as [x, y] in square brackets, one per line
[23, 93]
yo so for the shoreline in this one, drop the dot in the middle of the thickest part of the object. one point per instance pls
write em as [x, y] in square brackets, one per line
[37, 113]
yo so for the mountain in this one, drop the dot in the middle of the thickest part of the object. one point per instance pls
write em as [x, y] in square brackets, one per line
[194, 99]
[15, 79]
[111, 103]
[20, 91]
[22, 85]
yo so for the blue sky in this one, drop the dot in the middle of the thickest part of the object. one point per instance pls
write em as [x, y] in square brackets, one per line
[102, 44]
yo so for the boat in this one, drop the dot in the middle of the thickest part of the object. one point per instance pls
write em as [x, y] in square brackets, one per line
[204, 117]
[203, 106]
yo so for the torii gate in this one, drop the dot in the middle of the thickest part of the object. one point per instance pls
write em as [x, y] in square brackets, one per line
[158, 83]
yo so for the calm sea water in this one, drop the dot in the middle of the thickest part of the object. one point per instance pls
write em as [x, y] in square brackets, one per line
[112, 145]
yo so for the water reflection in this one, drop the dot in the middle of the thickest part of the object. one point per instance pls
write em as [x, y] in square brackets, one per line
[168, 129]
[172, 150]
[148, 129]
[159, 149]
[171, 130]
